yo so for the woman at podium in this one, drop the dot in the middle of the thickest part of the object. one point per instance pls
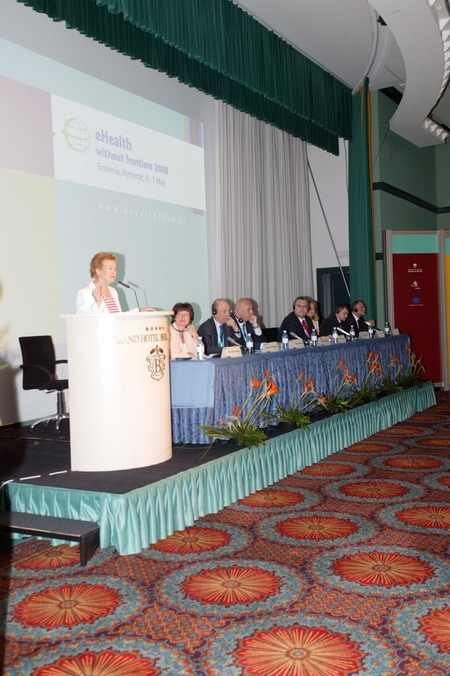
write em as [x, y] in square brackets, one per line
[98, 296]
[183, 336]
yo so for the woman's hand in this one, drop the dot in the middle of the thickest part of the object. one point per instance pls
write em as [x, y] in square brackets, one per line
[97, 292]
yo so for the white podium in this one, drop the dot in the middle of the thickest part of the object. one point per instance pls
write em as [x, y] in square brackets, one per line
[119, 388]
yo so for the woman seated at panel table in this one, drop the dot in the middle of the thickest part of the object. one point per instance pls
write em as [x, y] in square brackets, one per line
[313, 313]
[98, 296]
[182, 334]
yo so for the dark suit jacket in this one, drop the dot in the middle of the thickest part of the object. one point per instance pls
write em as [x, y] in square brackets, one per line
[292, 323]
[257, 340]
[326, 328]
[208, 332]
[358, 324]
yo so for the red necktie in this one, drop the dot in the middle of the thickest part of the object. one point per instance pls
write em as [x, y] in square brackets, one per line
[306, 328]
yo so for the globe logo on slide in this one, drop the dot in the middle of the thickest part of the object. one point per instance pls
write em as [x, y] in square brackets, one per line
[77, 135]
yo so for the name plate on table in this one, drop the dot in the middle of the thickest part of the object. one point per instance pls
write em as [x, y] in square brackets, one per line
[272, 347]
[296, 344]
[364, 334]
[395, 332]
[324, 340]
[231, 352]
[379, 334]
[341, 339]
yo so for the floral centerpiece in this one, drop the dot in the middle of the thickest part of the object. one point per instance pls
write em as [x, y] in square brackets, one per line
[342, 387]
[413, 376]
[371, 381]
[391, 384]
[244, 426]
[299, 402]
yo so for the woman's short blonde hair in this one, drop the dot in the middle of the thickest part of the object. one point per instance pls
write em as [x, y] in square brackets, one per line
[97, 261]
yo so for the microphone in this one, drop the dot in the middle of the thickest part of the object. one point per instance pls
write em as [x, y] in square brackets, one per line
[127, 286]
[232, 340]
[239, 321]
[342, 331]
[294, 335]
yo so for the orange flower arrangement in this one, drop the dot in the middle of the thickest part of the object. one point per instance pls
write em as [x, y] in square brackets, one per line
[244, 426]
[415, 372]
[339, 398]
[371, 381]
[294, 415]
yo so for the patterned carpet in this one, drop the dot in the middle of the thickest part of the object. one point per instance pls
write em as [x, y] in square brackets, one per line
[342, 568]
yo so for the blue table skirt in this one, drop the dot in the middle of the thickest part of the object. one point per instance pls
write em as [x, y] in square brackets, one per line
[203, 392]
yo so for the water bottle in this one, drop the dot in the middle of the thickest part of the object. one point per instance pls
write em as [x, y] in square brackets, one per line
[314, 338]
[334, 335]
[200, 349]
[249, 343]
[387, 329]
[285, 341]
[352, 333]
[371, 331]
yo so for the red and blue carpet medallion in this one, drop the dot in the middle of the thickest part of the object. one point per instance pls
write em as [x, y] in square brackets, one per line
[341, 569]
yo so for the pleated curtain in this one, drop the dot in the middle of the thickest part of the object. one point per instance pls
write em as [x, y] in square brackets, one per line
[263, 214]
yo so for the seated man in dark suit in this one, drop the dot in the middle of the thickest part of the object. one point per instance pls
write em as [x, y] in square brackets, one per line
[297, 323]
[248, 322]
[218, 328]
[356, 317]
[337, 319]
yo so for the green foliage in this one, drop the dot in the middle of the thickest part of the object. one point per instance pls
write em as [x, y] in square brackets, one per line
[248, 419]
[413, 376]
[371, 382]
[339, 399]
[298, 403]
[292, 416]
[243, 426]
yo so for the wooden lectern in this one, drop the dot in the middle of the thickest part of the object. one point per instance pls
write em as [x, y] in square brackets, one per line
[119, 388]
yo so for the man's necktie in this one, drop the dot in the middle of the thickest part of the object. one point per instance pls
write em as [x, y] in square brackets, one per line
[222, 336]
[244, 331]
[306, 328]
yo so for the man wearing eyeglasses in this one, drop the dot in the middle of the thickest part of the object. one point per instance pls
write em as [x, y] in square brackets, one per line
[297, 323]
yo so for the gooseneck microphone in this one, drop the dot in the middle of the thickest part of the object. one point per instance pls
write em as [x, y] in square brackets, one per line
[127, 286]
[294, 335]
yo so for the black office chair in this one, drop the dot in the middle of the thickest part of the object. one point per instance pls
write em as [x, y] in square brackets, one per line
[271, 334]
[39, 373]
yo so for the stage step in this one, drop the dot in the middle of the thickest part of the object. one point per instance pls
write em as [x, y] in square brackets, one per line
[87, 533]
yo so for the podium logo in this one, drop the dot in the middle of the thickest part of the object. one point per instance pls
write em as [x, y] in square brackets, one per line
[77, 135]
[157, 363]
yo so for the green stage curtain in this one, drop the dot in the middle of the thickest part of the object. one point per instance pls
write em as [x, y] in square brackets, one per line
[216, 47]
[361, 228]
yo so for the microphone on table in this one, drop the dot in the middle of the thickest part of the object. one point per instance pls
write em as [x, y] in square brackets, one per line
[127, 286]
[294, 335]
[342, 331]
[231, 340]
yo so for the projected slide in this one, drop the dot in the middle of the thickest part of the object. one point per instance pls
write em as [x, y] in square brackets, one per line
[103, 151]
[85, 167]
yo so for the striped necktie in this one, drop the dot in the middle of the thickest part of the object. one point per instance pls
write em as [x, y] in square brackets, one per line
[306, 328]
